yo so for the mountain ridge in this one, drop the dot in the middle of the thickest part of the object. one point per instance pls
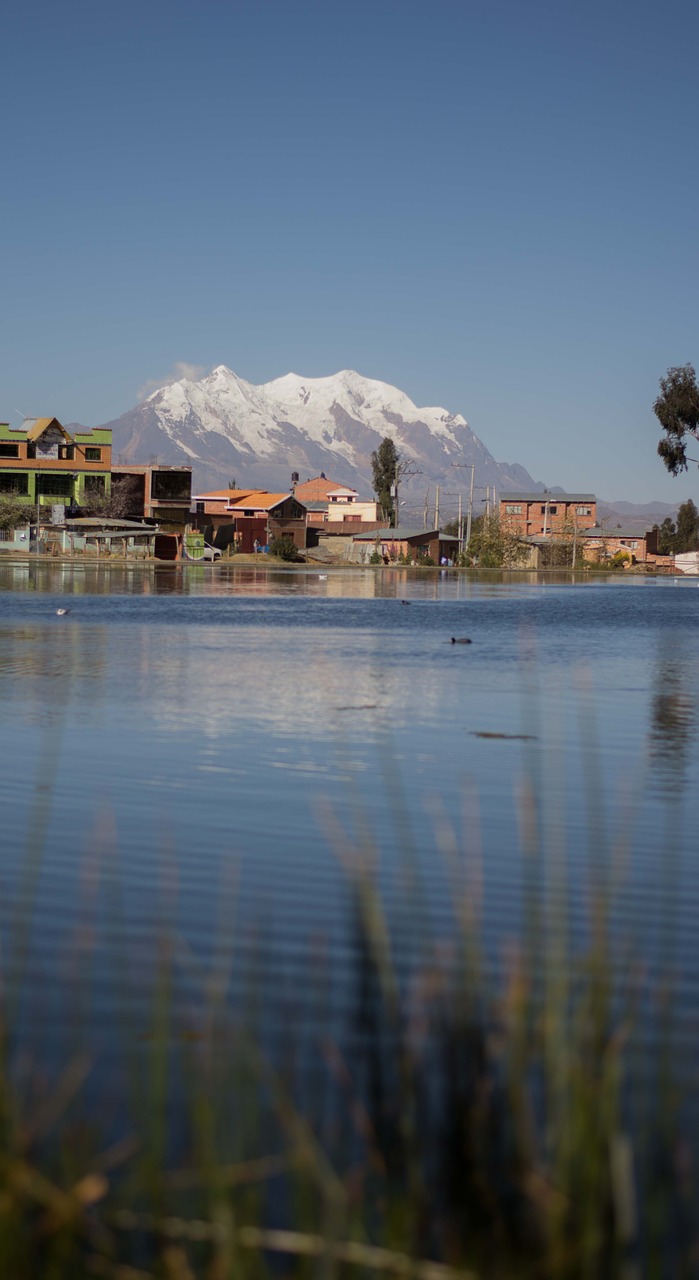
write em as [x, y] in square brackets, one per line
[226, 427]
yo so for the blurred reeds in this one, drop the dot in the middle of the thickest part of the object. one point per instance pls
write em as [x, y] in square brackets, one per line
[474, 1123]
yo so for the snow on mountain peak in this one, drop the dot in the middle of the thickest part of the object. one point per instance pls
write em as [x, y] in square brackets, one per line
[328, 411]
[330, 424]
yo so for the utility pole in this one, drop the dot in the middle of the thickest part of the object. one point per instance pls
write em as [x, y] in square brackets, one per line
[460, 526]
[463, 542]
[469, 520]
[546, 513]
[407, 469]
[426, 512]
[436, 508]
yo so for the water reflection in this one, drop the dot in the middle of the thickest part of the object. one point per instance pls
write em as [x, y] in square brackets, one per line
[90, 578]
[42, 666]
[212, 680]
[673, 727]
[223, 716]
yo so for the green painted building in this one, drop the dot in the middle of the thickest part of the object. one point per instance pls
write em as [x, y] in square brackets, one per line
[41, 462]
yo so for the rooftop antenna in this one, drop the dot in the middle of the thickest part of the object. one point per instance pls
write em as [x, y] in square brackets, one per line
[23, 416]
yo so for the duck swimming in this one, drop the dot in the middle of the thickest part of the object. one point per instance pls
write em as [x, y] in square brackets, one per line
[461, 640]
[61, 613]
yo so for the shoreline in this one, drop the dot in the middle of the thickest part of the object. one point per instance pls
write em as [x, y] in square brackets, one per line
[269, 563]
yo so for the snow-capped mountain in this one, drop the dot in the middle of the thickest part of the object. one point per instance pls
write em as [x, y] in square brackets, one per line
[227, 428]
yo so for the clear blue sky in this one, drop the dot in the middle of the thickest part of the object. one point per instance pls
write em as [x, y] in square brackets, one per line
[492, 205]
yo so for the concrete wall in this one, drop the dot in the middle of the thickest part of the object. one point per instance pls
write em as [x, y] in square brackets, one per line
[15, 539]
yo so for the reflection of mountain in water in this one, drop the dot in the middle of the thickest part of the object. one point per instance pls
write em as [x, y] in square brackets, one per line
[298, 684]
[212, 682]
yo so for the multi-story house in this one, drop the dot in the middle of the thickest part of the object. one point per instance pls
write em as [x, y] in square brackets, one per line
[156, 492]
[250, 518]
[544, 514]
[42, 463]
[328, 503]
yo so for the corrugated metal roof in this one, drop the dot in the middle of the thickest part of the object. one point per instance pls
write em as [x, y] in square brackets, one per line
[94, 522]
[396, 535]
[552, 498]
[598, 532]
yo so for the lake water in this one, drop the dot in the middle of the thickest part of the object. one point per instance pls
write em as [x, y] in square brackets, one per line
[207, 749]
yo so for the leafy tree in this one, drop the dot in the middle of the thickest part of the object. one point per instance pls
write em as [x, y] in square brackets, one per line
[677, 410]
[284, 549]
[493, 546]
[687, 537]
[666, 537]
[385, 465]
[565, 548]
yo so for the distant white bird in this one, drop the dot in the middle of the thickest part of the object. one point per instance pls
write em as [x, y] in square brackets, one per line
[322, 577]
[61, 613]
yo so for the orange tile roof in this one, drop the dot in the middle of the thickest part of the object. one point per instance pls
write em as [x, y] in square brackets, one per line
[230, 494]
[261, 500]
[316, 490]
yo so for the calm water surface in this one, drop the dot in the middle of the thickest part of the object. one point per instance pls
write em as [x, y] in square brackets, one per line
[206, 748]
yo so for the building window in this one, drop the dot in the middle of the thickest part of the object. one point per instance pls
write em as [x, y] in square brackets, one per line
[6, 535]
[513, 510]
[54, 485]
[94, 485]
[66, 452]
[351, 519]
[92, 453]
[16, 482]
[9, 450]
[171, 486]
[200, 508]
[583, 511]
[553, 511]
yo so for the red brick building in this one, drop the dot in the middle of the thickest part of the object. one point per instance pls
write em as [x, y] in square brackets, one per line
[603, 544]
[540, 514]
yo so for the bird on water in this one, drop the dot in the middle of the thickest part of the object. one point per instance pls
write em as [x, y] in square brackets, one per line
[61, 613]
[461, 640]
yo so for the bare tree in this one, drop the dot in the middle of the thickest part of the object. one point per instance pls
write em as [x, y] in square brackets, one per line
[123, 500]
